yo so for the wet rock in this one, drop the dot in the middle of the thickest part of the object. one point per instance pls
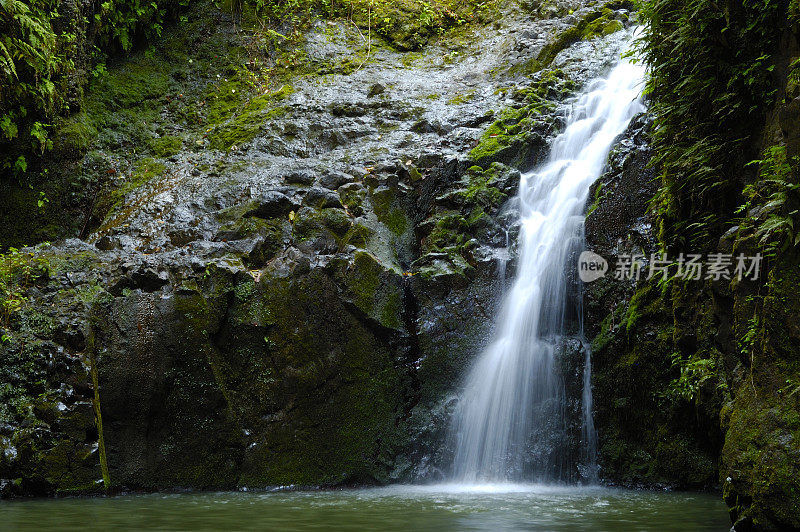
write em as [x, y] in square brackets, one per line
[375, 89]
[334, 180]
[321, 198]
[181, 237]
[301, 177]
[271, 204]
[202, 293]
[149, 279]
[107, 243]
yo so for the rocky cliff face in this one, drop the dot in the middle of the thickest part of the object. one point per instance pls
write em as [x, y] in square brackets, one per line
[281, 283]
[648, 436]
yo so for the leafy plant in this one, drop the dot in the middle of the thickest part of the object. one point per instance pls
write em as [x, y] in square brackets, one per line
[35, 62]
[711, 81]
[694, 374]
[18, 270]
[776, 200]
[27, 64]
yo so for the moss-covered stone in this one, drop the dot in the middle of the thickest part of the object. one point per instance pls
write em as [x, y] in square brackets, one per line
[408, 25]
[235, 116]
[511, 139]
[314, 223]
[597, 23]
[647, 424]
[112, 199]
[388, 210]
[166, 146]
[759, 463]
[73, 136]
[327, 389]
[482, 187]
[352, 196]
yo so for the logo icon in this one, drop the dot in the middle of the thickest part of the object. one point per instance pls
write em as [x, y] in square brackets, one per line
[591, 266]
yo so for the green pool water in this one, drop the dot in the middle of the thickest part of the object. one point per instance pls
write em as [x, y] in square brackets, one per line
[440, 508]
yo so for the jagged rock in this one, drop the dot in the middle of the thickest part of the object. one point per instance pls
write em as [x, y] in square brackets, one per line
[301, 177]
[271, 204]
[321, 198]
[334, 180]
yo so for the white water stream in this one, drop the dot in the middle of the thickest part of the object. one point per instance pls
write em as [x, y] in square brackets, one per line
[514, 396]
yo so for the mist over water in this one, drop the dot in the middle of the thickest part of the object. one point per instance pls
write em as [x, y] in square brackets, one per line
[510, 423]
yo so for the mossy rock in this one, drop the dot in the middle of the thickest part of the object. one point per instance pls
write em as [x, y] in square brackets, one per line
[166, 146]
[388, 210]
[759, 467]
[328, 392]
[352, 196]
[595, 24]
[74, 136]
[648, 435]
[310, 223]
[482, 187]
[112, 198]
[408, 25]
[512, 138]
[235, 116]
[375, 289]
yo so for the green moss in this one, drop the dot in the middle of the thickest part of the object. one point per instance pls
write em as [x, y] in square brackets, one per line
[408, 25]
[764, 484]
[460, 99]
[508, 139]
[366, 279]
[608, 328]
[388, 211]
[145, 170]
[124, 104]
[111, 205]
[74, 136]
[450, 229]
[762, 422]
[352, 197]
[652, 425]
[602, 26]
[480, 187]
[166, 146]
[234, 119]
[358, 235]
[411, 58]
[375, 289]
[595, 24]
[315, 367]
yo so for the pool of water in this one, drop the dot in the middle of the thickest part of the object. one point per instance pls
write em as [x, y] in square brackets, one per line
[440, 508]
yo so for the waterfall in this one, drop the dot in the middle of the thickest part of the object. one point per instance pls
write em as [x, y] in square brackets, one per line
[510, 423]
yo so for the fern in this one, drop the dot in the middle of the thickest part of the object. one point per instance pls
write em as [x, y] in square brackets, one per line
[711, 81]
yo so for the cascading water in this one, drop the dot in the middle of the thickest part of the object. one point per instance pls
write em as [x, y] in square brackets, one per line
[508, 423]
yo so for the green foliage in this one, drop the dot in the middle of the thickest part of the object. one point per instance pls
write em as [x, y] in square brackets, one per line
[39, 47]
[405, 24]
[27, 63]
[18, 270]
[711, 83]
[775, 196]
[694, 374]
